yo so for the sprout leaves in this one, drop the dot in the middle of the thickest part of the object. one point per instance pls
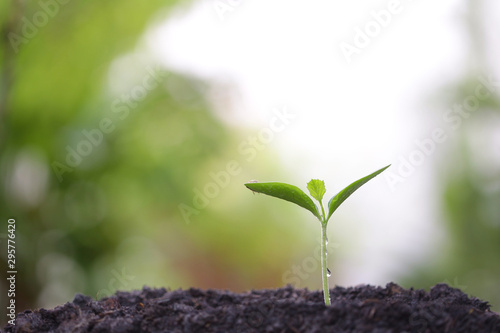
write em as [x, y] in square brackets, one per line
[286, 192]
[337, 200]
[317, 189]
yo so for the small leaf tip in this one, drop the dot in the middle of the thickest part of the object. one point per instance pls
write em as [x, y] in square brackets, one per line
[317, 189]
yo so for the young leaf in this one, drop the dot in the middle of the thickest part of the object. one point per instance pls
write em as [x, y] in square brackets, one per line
[286, 192]
[337, 200]
[317, 189]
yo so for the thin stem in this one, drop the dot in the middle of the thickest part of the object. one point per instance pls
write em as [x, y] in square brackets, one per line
[326, 290]
[322, 211]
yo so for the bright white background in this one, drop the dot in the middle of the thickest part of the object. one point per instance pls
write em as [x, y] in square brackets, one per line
[353, 115]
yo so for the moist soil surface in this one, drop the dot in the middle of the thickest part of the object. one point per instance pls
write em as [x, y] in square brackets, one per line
[356, 309]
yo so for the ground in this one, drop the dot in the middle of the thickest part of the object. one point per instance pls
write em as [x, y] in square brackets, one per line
[355, 309]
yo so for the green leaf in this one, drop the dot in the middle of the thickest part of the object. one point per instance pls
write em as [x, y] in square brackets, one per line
[286, 192]
[317, 189]
[337, 200]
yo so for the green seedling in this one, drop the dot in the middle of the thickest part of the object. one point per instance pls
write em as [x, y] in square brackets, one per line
[317, 190]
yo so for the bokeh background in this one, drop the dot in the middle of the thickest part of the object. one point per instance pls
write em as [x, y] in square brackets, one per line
[127, 130]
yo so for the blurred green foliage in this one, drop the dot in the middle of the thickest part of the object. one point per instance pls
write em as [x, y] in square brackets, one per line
[469, 177]
[100, 146]
[470, 200]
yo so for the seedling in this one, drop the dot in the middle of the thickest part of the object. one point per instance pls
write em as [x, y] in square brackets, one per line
[317, 190]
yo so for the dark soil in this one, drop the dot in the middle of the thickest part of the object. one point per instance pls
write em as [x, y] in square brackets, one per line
[357, 309]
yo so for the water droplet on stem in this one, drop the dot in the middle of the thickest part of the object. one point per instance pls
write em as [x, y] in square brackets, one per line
[328, 273]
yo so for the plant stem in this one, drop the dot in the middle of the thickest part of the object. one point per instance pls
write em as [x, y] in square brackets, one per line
[326, 290]
[323, 212]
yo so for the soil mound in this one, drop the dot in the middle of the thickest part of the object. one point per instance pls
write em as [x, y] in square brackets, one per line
[355, 309]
